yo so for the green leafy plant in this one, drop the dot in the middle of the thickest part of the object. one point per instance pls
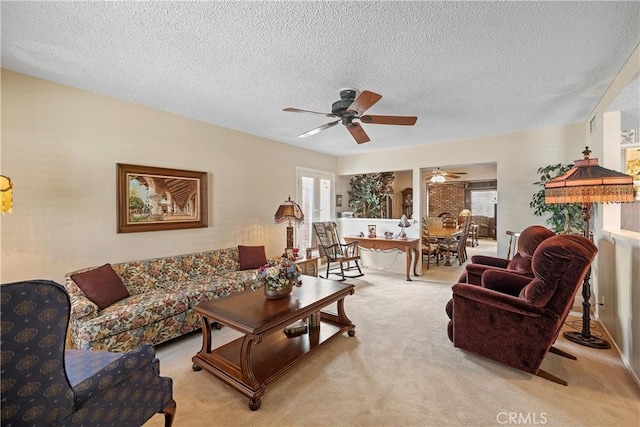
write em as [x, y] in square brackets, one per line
[563, 218]
[367, 193]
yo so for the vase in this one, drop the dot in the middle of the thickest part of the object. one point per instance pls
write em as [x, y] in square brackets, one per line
[273, 293]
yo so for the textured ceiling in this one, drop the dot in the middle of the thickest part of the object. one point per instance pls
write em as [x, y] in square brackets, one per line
[466, 69]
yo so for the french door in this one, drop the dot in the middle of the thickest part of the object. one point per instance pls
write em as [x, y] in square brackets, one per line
[314, 193]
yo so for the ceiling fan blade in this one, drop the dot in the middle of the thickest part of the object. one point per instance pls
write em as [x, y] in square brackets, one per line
[318, 129]
[454, 173]
[450, 175]
[358, 133]
[363, 102]
[389, 120]
[297, 110]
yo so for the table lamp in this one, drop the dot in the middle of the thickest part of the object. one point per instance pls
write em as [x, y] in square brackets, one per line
[404, 223]
[587, 183]
[289, 212]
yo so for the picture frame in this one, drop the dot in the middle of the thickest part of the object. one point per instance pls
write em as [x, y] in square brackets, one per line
[289, 253]
[154, 198]
[338, 200]
[371, 231]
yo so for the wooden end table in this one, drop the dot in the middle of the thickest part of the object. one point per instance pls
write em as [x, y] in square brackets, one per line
[265, 353]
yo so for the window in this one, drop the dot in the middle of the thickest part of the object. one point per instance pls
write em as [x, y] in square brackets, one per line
[630, 212]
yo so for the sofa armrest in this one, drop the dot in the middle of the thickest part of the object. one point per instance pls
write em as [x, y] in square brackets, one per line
[82, 308]
[490, 260]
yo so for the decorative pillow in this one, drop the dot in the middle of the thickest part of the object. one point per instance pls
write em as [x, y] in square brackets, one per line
[101, 285]
[251, 257]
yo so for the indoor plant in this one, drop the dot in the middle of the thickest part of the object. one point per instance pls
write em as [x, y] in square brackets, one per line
[367, 191]
[564, 218]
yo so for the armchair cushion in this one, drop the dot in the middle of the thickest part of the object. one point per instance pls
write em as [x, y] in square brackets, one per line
[520, 264]
[504, 281]
[251, 257]
[101, 285]
[91, 373]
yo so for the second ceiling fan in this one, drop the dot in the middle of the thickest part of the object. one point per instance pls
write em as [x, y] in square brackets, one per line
[350, 108]
[439, 176]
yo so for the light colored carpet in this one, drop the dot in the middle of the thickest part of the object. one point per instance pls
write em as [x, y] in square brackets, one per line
[400, 369]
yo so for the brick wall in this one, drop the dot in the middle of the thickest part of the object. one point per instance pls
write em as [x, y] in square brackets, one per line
[446, 198]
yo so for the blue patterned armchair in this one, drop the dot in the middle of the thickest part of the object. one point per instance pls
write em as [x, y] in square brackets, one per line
[43, 384]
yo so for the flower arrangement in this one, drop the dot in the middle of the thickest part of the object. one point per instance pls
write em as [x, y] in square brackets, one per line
[279, 273]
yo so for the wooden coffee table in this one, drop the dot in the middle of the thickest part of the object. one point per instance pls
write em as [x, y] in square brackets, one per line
[264, 352]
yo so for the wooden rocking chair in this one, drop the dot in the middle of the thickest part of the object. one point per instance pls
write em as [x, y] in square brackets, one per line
[339, 257]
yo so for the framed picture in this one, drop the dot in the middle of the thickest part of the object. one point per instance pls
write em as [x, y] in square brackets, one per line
[289, 253]
[371, 231]
[153, 199]
[338, 200]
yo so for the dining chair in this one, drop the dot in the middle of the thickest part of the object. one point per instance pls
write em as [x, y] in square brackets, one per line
[430, 247]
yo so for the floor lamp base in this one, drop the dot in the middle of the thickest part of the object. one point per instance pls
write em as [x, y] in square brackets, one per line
[593, 342]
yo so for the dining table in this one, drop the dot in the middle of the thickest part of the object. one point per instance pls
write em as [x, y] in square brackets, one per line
[448, 234]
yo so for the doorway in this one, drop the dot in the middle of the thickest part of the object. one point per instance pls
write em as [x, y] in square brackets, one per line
[314, 194]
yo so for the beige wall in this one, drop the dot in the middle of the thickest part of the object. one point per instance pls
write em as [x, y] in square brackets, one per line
[618, 282]
[60, 146]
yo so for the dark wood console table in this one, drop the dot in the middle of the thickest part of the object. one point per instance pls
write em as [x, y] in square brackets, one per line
[408, 246]
[264, 353]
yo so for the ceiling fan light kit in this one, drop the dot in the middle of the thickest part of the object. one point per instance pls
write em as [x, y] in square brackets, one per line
[438, 176]
[350, 108]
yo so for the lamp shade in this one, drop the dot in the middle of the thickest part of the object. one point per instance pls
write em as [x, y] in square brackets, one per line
[6, 194]
[587, 182]
[289, 212]
[404, 222]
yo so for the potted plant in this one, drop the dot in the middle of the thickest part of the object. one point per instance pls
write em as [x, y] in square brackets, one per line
[563, 218]
[278, 277]
[367, 193]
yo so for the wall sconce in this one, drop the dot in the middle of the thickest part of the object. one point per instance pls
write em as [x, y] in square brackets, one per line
[6, 194]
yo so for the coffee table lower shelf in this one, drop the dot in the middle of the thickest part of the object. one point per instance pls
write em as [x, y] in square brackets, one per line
[250, 362]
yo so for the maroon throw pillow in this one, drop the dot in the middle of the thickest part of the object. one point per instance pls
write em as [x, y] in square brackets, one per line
[251, 257]
[102, 286]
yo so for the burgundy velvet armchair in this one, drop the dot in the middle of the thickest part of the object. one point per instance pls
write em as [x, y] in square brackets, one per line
[514, 319]
[529, 240]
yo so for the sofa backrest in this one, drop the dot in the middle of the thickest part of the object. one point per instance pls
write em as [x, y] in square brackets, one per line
[141, 275]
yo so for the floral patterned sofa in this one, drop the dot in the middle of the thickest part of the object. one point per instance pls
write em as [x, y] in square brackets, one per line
[161, 295]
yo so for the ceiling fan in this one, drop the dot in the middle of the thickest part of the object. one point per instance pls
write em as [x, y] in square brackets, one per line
[438, 175]
[350, 108]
